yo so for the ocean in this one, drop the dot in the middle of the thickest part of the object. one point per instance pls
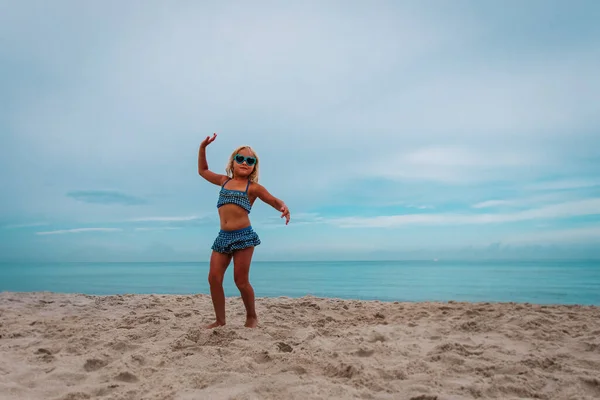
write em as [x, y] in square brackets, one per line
[541, 282]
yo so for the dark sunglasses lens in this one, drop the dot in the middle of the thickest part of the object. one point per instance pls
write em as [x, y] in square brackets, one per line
[251, 161]
[239, 159]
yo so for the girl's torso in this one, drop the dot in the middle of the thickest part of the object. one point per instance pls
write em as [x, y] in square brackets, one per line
[234, 204]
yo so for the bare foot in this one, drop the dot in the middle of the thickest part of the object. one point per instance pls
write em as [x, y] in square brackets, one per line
[251, 322]
[214, 325]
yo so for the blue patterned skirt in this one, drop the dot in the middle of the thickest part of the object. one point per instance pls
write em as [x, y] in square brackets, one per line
[229, 241]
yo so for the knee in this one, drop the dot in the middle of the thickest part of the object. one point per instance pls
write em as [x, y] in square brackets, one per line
[215, 280]
[241, 282]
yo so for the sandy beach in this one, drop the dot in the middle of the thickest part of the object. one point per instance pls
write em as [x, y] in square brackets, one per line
[69, 347]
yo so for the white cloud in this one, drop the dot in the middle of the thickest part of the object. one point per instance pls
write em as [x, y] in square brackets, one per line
[530, 97]
[342, 94]
[563, 184]
[531, 201]
[27, 225]
[166, 219]
[563, 210]
[157, 228]
[492, 203]
[461, 156]
[78, 230]
[295, 220]
[451, 164]
[174, 221]
[568, 235]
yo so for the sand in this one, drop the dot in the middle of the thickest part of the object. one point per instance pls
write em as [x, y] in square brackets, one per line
[68, 346]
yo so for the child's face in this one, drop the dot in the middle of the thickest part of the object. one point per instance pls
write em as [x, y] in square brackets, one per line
[243, 169]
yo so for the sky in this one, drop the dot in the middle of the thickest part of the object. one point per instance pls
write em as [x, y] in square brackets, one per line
[392, 130]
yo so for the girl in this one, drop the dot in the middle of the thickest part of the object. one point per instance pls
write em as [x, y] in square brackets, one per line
[237, 239]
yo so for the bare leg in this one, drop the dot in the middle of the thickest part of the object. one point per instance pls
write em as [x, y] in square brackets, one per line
[218, 265]
[241, 270]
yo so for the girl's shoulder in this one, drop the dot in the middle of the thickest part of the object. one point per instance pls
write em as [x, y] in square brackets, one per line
[255, 188]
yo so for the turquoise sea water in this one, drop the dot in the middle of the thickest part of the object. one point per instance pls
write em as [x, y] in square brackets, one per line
[543, 282]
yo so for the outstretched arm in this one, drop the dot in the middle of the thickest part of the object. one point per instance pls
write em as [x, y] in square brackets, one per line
[263, 194]
[203, 170]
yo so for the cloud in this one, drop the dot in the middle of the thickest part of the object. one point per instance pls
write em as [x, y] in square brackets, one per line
[563, 210]
[350, 107]
[562, 236]
[451, 164]
[491, 203]
[157, 228]
[25, 225]
[167, 219]
[536, 200]
[420, 207]
[175, 222]
[301, 218]
[461, 156]
[525, 98]
[564, 184]
[79, 230]
[105, 197]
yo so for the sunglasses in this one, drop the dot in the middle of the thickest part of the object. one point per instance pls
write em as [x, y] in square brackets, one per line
[249, 160]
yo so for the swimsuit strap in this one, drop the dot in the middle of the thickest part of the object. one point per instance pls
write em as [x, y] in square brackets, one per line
[223, 185]
[247, 186]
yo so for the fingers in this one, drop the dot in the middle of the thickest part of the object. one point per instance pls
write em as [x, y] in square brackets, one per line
[285, 212]
[209, 139]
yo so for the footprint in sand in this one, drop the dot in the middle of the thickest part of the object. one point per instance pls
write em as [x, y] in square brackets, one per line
[262, 357]
[126, 377]
[122, 346]
[284, 347]
[184, 314]
[376, 337]
[365, 353]
[76, 396]
[592, 385]
[105, 391]
[94, 364]
[45, 355]
[592, 347]
[342, 370]
[140, 360]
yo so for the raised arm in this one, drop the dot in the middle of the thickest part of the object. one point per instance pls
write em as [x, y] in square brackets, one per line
[203, 170]
[278, 204]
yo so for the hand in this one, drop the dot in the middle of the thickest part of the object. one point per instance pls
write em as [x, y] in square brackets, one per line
[285, 212]
[208, 140]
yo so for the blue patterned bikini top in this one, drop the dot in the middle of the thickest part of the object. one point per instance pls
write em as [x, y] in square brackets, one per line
[228, 196]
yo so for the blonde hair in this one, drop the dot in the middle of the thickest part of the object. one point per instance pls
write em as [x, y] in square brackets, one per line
[229, 168]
